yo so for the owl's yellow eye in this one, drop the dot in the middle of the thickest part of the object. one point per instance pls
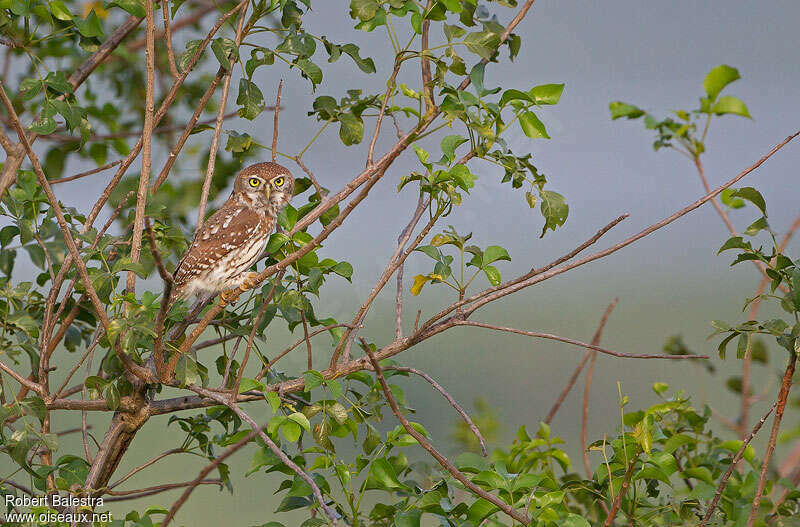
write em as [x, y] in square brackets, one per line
[278, 181]
[254, 182]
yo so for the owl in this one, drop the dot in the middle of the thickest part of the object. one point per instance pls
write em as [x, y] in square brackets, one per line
[233, 238]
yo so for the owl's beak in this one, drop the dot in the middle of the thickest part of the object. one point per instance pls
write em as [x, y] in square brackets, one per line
[267, 191]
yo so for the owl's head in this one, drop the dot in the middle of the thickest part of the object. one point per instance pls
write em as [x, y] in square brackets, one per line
[268, 183]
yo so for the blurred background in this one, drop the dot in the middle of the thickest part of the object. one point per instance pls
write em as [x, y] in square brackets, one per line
[652, 54]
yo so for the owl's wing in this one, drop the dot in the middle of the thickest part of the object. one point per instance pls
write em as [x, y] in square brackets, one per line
[227, 229]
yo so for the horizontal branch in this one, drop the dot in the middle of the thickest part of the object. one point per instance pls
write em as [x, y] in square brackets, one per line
[574, 342]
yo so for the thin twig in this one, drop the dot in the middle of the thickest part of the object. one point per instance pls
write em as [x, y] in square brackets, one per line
[783, 396]
[443, 461]
[450, 400]
[173, 68]
[212, 153]
[734, 461]
[598, 334]
[330, 513]
[87, 173]
[283, 353]
[395, 261]
[746, 400]
[256, 323]
[147, 141]
[398, 300]
[626, 482]
[143, 466]
[586, 345]
[275, 124]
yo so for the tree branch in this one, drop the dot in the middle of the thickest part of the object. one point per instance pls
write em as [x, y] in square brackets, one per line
[566, 340]
[598, 334]
[443, 461]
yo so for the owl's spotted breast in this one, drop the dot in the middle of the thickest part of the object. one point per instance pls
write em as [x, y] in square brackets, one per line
[233, 238]
[227, 245]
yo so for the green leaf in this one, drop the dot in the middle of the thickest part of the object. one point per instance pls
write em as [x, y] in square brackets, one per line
[90, 26]
[547, 93]
[301, 420]
[735, 242]
[186, 371]
[621, 109]
[343, 269]
[410, 518]
[449, 145]
[59, 10]
[718, 78]
[186, 57]
[226, 51]
[351, 129]
[366, 64]
[573, 520]
[728, 200]
[237, 142]
[313, 379]
[729, 104]
[492, 274]
[757, 226]
[134, 7]
[310, 71]
[480, 510]
[363, 9]
[753, 196]
[554, 209]
[494, 253]
[250, 99]
[483, 43]
[383, 476]
[532, 126]
[514, 95]
[250, 384]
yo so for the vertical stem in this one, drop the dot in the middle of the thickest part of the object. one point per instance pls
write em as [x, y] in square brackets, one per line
[147, 134]
[783, 396]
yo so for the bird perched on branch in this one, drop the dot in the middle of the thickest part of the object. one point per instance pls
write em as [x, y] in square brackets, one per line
[233, 238]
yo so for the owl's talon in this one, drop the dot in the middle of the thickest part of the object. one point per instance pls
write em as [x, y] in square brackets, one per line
[249, 282]
[225, 297]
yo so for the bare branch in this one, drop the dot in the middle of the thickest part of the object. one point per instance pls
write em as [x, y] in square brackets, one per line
[187, 130]
[626, 483]
[173, 68]
[389, 88]
[398, 301]
[450, 399]
[506, 289]
[443, 461]
[275, 124]
[586, 345]
[149, 491]
[62, 222]
[283, 353]
[734, 461]
[330, 513]
[212, 153]
[783, 396]
[147, 139]
[395, 261]
[143, 466]
[86, 173]
[595, 341]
